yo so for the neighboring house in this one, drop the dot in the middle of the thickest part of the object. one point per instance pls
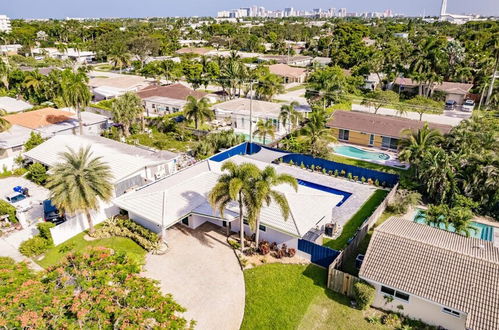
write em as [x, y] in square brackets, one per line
[50, 122]
[80, 56]
[372, 80]
[193, 50]
[368, 42]
[10, 49]
[237, 112]
[191, 42]
[299, 60]
[289, 74]
[437, 276]
[161, 100]
[44, 71]
[453, 91]
[108, 88]
[183, 198]
[11, 144]
[321, 61]
[11, 105]
[368, 129]
[131, 167]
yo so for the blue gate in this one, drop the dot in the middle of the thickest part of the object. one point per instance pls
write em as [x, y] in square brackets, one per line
[320, 255]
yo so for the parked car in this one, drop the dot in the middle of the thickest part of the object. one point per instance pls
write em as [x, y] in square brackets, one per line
[468, 105]
[450, 105]
[19, 201]
[52, 214]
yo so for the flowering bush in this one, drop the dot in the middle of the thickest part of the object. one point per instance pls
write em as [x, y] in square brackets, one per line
[125, 227]
[96, 289]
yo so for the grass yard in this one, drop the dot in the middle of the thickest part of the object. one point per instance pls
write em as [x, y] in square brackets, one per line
[161, 141]
[78, 243]
[356, 220]
[364, 164]
[280, 296]
[295, 88]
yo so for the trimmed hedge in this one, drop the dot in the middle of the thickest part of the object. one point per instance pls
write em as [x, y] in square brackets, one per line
[124, 227]
[34, 246]
[6, 208]
[44, 229]
[364, 295]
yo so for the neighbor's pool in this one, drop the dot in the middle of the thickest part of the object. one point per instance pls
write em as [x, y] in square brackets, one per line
[256, 139]
[312, 185]
[354, 152]
[483, 232]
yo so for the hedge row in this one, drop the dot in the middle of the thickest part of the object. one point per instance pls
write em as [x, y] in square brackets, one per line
[127, 228]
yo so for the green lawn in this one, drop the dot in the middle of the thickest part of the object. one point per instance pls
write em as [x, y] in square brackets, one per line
[161, 141]
[78, 243]
[356, 220]
[280, 296]
[296, 88]
[364, 164]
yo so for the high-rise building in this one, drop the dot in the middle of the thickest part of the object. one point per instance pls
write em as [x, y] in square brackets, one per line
[288, 12]
[342, 12]
[5, 24]
[443, 8]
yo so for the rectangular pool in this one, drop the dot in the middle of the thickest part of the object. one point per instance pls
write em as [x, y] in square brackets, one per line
[312, 185]
[483, 232]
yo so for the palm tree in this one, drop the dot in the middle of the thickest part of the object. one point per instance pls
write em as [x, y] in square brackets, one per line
[127, 109]
[268, 86]
[120, 60]
[75, 92]
[198, 110]
[262, 193]
[5, 70]
[264, 129]
[436, 216]
[316, 133]
[460, 218]
[4, 124]
[414, 144]
[234, 186]
[80, 183]
[437, 172]
[290, 116]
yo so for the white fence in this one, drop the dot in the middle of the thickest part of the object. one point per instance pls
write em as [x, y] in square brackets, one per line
[77, 224]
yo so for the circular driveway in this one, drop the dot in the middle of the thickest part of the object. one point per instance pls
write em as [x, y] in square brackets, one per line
[202, 273]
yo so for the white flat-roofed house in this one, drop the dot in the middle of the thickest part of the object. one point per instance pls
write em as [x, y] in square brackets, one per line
[10, 49]
[11, 105]
[131, 167]
[5, 24]
[182, 197]
[237, 112]
[108, 88]
[11, 145]
[439, 277]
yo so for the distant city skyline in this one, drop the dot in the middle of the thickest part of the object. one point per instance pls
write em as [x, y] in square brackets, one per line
[159, 8]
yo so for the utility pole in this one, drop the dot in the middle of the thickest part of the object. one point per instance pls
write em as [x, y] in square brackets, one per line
[492, 81]
[251, 113]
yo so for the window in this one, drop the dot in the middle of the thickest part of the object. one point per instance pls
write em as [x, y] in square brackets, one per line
[344, 134]
[390, 143]
[185, 221]
[451, 312]
[371, 139]
[224, 223]
[395, 293]
[263, 228]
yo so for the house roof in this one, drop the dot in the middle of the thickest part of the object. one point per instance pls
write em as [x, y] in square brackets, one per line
[39, 118]
[379, 124]
[123, 159]
[10, 104]
[285, 70]
[242, 106]
[175, 91]
[446, 86]
[166, 201]
[13, 137]
[126, 82]
[282, 59]
[451, 270]
[193, 50]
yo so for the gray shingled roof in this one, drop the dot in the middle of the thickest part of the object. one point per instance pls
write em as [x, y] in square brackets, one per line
[451, 270]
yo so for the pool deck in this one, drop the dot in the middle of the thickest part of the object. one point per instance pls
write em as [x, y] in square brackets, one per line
[341, 214]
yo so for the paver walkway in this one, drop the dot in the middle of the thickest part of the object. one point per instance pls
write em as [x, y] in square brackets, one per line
[202, 273]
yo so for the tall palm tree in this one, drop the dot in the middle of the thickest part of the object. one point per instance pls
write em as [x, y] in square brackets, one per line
[437, 172]
[75, 92]
[4, 124]
[316, 133]
[265, 128]
[262, 194]
[414, 144]
[290, 116]
[460, 217]
[120, 60]
[80, 183]
[198, 110]
[5, 70]
[234, 186]
[436, 215]
[268, 86]
[127, 108]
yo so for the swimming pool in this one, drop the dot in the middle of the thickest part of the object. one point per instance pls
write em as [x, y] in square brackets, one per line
[256, 139]
[483, 232]
[355, 152]
[312, 185]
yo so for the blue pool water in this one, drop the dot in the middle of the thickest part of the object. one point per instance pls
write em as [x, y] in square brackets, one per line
[483, 232]
[312, 185]
[354, 152]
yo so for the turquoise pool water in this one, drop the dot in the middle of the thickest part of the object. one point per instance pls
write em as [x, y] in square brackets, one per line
[354, 152]
[483, 232]
[256, 139]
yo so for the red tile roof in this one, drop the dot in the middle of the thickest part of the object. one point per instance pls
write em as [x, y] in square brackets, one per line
[175, 91]
[39, 118]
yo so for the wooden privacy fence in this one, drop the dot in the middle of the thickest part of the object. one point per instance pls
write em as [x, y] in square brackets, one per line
[342, 282]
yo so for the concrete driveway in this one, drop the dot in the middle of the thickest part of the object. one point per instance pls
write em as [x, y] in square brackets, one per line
[202, 273]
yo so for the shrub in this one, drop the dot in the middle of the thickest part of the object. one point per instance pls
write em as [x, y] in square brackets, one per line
[355, 178]
[37, 173]
[124, 227]
[302, 165]
[323, 171]
[35, 139]
[20, 171]
[235, 245]
[34, 246]
[6, 208]
[363, 180]
[376, 183]
[364, 295]
[44, 229]
[349, 176]
[291, 162]
[336, 172]
[342, 172]
[291, 252]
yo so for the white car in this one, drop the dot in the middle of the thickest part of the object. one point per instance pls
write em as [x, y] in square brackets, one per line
[19, 201]
[468, 105]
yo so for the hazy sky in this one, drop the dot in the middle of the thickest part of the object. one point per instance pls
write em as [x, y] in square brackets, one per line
[144, 8]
